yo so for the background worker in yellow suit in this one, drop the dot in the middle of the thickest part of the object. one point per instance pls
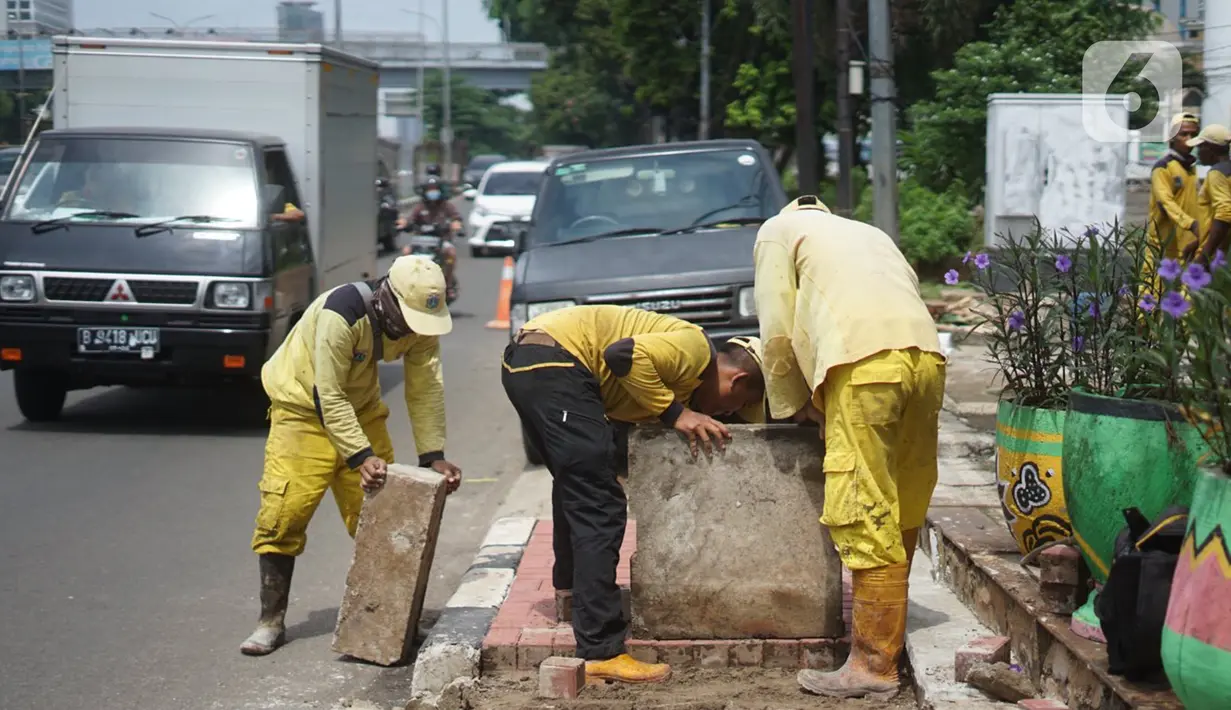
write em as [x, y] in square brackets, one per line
[1213, 146]
[1174, 228]
[327, 420]
[572, 372]
[847, 341]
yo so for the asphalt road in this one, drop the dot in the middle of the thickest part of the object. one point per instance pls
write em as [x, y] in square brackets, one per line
[127, 580]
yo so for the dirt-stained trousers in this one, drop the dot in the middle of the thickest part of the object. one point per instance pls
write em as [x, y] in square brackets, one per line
[300, 465]
[560, 405]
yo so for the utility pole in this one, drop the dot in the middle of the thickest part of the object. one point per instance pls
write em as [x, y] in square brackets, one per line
[21, 80]
[422, 135]
[805, 97]
[446, 129]
[884, 119]
[337, 23]
[846, 128]
[703, 131]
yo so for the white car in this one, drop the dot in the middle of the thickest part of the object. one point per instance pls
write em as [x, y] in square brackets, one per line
[506, 194]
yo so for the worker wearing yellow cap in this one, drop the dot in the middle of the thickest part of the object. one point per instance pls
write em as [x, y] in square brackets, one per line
[1174, 227]
[1214, 200]
[847, 341]
[327, 420]
[570, 374]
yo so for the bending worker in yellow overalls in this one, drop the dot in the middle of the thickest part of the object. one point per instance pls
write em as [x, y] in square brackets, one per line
[327, 420]
[849, 343]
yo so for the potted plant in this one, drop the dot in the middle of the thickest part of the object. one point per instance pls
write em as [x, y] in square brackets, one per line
[1025, 341]
[1197, 634]
[1126, 445]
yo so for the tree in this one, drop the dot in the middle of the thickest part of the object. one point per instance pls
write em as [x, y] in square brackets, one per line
[477, 115]
[1035, 46]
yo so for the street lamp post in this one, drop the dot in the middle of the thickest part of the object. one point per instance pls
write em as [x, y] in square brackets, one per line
[446, 98]
[446, 130]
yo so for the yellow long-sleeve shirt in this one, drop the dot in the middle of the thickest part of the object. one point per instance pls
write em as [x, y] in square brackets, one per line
[1214, 201]
[830, 291]
[1173, 203]
[647, 364]
[325, 369]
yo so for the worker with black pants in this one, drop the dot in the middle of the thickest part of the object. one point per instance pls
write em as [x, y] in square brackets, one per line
[570, 374]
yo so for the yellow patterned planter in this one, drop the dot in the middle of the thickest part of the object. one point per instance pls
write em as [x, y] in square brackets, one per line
[1029, 470]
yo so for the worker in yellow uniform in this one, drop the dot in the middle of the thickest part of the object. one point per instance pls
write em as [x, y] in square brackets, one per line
[848, 342]
[1173, 227]
[570, 375]
[1214, 200]
[327, 420]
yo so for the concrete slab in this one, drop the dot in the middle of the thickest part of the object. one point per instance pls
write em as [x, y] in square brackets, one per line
[730, 547]
[394, 546]
[936, 625]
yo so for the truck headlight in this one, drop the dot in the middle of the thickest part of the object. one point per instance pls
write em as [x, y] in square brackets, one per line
[16, 288]
[522, 313]
[747, 303]
[517, 317]
[232, 295]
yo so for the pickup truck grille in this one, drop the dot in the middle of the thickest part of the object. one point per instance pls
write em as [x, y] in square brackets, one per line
[91, 290]
[178, 293]
[59, 288]
[705, 306]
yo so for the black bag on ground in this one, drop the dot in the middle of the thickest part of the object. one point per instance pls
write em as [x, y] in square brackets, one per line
[1133, 603]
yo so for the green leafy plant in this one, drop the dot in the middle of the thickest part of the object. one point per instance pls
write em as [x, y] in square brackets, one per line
[934, 226]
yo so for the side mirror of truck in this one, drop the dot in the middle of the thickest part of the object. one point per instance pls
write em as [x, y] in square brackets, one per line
[519, 233]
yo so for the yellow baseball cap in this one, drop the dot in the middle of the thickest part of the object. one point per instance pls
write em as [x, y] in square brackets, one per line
[1181, 118]
[419, 285]
[753, 413]
[1213, 133]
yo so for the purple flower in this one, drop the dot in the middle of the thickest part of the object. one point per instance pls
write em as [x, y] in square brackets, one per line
[1091, 232]
[1169, 269]
[1147, 302]
[1219, 260]
[1094, 311]
[982, 261]
[1079, 343]
[1063, 263]
[1016, 321]
[1175, 304]
[1124, 291]
[1196, 277]
[969, 255]
[951, 277]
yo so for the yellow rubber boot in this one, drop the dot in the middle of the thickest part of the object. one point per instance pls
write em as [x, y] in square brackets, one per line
[910, 542]
[878, 621]
[626, 669]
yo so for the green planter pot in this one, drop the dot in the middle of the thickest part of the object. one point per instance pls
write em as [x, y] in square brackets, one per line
[1197, 635]
[1122, 453]
[1029, 471]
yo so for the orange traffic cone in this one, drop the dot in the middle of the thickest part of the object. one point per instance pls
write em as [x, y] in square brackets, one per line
[501, 321]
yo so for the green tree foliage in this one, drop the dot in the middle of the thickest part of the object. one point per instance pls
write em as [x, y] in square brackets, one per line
[478, 117]
[934, 226]
[1034, 46]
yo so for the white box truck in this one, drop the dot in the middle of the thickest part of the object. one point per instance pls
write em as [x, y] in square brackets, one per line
[190, 202]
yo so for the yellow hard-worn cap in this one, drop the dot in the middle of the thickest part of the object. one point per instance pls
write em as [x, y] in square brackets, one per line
[753, 413]
[806, 202]
[419, 285]
[1214, 134]
[1181, 118]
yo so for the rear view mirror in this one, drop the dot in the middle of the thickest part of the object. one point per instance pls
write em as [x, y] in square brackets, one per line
[470, 193]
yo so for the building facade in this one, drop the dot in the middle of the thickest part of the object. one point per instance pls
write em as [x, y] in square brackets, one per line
[299, 22]
[31, 18]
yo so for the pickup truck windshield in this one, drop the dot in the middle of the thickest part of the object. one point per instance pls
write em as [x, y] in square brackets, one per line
[657, 193]
[151, 179]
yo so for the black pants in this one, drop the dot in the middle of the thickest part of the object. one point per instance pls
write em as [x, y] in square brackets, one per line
[560, 405]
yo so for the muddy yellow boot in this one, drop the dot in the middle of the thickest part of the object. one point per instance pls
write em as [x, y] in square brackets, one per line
[626, 669]
[910, 542]
[878, 621]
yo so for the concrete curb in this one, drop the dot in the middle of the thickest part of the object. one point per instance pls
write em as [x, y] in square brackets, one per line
[451, 650]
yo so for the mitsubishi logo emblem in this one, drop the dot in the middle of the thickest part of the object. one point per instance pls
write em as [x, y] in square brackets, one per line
[119, 292]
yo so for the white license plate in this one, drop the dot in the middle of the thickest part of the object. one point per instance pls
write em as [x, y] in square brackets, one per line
[142, 341]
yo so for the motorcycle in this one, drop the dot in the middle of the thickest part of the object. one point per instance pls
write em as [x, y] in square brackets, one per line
[427, 241]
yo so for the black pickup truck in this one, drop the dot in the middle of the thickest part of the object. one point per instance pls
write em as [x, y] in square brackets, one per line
[668, 228]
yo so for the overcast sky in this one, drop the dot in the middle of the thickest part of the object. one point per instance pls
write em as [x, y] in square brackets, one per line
[468, 22]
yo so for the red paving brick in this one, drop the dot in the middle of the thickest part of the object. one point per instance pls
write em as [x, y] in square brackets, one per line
[525, 632]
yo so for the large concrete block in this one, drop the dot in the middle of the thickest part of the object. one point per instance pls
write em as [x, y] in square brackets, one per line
[730, 546]
[394, 546]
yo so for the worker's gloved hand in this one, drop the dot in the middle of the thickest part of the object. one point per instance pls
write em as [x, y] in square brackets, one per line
[703, 430]
[372, 473]
[452, 474]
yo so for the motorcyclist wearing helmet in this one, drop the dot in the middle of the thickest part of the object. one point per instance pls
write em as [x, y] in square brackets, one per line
[433, 170]
[436, 209]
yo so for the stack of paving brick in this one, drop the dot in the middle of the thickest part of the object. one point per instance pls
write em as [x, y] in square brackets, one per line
[526, 631]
